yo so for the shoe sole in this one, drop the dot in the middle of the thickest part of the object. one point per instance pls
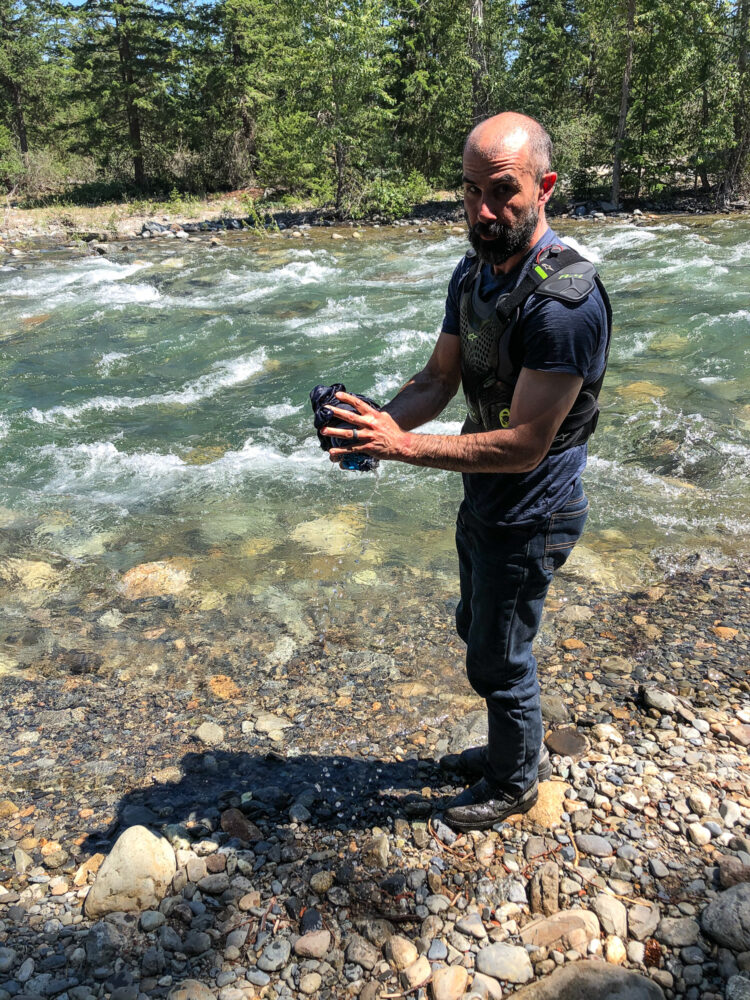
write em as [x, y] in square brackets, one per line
[488, 824]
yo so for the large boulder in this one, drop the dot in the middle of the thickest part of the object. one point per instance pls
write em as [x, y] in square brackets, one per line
[591, 980]
[727, 918]
[135, 876]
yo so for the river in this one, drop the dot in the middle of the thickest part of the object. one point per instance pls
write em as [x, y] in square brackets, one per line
[154, 411]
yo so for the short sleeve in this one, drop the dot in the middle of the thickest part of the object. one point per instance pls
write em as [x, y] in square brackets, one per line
[452, 317]
[565, 337]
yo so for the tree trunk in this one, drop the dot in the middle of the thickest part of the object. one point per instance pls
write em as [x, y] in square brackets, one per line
[134, 121]
[478, 88]
[644, 114]
[738, 157]
[20, 122]
[624, 102]
[702, 170]
[340, 167]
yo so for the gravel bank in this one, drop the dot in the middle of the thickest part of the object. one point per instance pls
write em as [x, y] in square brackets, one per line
[283, 816]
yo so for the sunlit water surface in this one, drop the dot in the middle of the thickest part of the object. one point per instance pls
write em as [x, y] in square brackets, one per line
[154, 406]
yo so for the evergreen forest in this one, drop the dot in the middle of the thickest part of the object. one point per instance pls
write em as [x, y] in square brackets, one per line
[364, 104]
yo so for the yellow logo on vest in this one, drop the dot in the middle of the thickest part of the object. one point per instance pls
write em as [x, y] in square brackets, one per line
[504, 417]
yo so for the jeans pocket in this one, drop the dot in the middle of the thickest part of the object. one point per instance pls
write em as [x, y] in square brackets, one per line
[565, 528]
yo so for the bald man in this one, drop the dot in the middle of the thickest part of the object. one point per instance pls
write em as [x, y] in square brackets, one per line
[526, 331]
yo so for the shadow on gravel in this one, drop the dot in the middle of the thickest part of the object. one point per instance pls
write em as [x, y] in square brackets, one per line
[325, 792]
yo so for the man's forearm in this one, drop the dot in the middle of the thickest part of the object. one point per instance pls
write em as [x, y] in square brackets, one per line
[419, 401]
[491, 451]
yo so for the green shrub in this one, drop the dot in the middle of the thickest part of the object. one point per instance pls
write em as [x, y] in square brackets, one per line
[394, 199]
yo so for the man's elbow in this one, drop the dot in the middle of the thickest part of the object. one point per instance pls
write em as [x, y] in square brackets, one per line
[531, 454]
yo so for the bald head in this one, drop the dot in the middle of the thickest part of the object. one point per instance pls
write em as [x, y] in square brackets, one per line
[510, 132]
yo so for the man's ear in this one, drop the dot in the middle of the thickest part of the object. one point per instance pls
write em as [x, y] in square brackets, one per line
[546, 187]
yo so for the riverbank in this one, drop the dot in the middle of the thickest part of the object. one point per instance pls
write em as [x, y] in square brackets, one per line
[301, 800]
[127, 221]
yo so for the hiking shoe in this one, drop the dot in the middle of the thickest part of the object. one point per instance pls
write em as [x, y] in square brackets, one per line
[482, 805]
[471, 763]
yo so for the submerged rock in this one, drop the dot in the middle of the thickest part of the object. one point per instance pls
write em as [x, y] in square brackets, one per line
[155, 579]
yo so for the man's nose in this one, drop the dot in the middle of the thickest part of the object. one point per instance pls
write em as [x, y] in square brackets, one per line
[486, 214]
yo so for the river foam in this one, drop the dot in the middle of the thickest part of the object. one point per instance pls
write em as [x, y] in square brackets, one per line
[223, 375]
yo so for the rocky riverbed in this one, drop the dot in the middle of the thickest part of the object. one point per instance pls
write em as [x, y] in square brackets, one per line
[194, 813]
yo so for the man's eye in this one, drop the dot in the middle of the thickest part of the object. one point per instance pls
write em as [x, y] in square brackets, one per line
[471, 189]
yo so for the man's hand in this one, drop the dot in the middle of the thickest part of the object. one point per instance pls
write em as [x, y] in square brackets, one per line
[373, 432]
[540, 404]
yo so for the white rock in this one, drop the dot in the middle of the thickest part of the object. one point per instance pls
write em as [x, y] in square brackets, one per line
[400, 951]
[700, 802]
[505, 962]
[604, 731]
[636, 952]
[135, 876]
[612, 914]
[699, 834]
[730, 812]
[614, 950]
[210, 734]
[449, 983]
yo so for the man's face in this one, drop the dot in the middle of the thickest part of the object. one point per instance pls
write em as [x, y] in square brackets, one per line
[502, 198]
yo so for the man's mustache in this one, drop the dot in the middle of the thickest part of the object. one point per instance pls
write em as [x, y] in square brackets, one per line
[493, 229]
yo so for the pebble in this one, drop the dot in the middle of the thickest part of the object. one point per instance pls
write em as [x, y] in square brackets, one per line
[473, 926]
[612, 915]
[417, 974]
[449, 983]
[400, 951]
[314, 944]
[7, 959]
[678, 932]
[210, 734]
[310, 983]
[275, 955]
[731, 813]
[505, 962]
[598, 847]
[699, 834]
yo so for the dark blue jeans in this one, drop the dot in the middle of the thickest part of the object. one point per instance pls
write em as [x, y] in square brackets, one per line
[505, 574]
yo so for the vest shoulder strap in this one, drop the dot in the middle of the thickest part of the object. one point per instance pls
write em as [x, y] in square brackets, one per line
[559, 273]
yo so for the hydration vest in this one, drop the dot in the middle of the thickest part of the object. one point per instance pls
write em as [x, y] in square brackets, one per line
[492, 348]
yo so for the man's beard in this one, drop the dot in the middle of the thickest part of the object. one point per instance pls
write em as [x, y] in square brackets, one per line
[507, 241]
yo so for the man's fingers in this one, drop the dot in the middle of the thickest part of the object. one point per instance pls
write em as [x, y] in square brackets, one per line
[359, 419]
[342, 432]
[359, 404]
[340, 452]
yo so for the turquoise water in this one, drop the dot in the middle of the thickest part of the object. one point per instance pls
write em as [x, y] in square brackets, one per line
[154, 406]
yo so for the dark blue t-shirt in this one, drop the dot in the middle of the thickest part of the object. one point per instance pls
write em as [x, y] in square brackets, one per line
[557, 337]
